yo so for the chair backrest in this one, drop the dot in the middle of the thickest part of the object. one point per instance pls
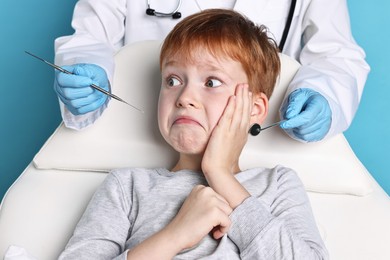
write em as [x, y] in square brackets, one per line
[124, 137]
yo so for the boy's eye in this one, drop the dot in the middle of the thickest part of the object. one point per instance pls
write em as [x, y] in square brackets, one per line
[212, 83]
[172, 81]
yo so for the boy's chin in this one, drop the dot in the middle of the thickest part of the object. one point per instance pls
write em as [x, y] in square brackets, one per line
[196, 151]
[189, 144]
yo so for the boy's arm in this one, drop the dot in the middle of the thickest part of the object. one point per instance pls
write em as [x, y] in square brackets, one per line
[282, 229]
[278, 225]
[99, 34]
[103, 230]
[104, 227]
[225, 184]
[286, 229]
[159, 246]
[220, 160]
[202, 211]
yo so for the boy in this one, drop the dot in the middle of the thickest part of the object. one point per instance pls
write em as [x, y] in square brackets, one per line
[218, 71]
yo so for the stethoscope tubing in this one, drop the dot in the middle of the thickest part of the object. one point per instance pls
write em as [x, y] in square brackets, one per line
[160, 14]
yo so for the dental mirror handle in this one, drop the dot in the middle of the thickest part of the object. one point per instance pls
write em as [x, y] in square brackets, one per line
[92, 85]
[256, 128]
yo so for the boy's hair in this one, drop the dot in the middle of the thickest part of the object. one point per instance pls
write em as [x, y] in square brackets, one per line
[228, 33]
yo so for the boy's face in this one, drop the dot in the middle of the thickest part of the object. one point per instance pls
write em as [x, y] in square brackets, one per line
[193, 97]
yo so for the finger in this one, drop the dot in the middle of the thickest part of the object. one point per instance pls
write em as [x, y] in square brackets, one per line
[227, 114]
[92, 106]
[88, 100]
[63, 99]
[320, 123]
[89, 70]
[75, 93]
[225, 208]
[314, 132]
[295, 122]
[73, 81]
[217, 233]
[222, 228]
[198, 187]
[311, 114]
[315, 105]
[80, 70]
[242, 112]
[310, 137]
[223, 204]
[239, 104]
[247, 111]
[296, 102]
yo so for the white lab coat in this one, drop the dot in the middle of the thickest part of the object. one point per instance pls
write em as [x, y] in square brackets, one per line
[320, 39]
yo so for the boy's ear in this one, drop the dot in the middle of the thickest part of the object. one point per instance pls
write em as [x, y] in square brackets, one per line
[260, 108]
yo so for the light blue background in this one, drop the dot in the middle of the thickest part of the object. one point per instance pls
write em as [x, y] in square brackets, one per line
[29, 110]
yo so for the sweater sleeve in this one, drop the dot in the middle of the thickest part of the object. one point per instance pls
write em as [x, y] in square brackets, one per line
[96, 235]
[282, 229]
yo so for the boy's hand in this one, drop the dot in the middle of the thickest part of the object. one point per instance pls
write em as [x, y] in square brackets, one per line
[229, 135]
[203, 211]
[220, 160]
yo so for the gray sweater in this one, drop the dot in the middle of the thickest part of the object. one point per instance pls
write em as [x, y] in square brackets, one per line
[276, 222]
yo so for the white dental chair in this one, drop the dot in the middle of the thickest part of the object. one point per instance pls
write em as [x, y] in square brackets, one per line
[41, 209]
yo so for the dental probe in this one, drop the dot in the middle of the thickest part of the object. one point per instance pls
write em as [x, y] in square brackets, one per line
[92, 85]
[256, 128]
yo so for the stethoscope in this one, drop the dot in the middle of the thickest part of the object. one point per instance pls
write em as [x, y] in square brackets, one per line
[175, 14]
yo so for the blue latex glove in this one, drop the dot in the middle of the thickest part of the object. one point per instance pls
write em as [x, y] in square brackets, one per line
[75, 91]
[308, 115]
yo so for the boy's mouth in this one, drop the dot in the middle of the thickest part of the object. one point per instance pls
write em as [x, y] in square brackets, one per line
[185, 120]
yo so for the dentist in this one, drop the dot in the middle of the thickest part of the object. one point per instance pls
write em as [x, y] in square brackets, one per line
[320, 102]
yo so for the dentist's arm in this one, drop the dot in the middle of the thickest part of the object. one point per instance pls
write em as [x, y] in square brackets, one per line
[331, 79]
[99, 33]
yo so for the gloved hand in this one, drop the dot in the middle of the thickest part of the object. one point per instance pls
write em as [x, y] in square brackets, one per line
[308, 115]
[75, 91]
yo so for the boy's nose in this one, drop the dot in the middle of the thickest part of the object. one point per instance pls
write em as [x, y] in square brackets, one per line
[186, 98]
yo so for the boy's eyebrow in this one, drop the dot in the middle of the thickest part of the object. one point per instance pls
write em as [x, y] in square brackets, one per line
[170, 63]
[211, 67]
[207, 65]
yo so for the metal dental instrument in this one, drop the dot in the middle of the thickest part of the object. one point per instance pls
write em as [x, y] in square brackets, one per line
[92, 85]
[256, 128]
